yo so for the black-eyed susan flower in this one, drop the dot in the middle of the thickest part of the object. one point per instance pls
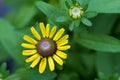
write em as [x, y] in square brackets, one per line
[76, 11]
[46, 49]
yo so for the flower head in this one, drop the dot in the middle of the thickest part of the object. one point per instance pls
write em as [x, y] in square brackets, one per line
[46, 48]
[75, 12]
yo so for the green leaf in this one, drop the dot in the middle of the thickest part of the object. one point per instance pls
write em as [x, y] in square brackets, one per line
[77, 22]
[73, 1]
[91, 14]
[11, 40]
[83, 2]
[33, 74]
[71, 26]
[100, 42]
[75, 60]
[3, 70]
[68, 3]
[68, 76]
[2, 53]
[46, 8]
[62, 19]
[108, 66]
[104, 6]
[3, 67]
[85, 7]
[24, 16]
[13, 77]
[74, 24]
[103, 23]
[86, 21]
[88, 60]
[50, 11]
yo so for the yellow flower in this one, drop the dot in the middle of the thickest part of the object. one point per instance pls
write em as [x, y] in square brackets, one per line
[46, 48]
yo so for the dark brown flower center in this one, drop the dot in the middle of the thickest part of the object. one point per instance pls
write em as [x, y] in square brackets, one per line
[46, 47]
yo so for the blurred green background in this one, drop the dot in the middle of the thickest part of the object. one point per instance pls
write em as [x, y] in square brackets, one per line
[95, 52]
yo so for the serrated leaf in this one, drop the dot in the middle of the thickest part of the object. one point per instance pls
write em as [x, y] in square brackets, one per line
[104, 6]
[100, 42]
[86, 21]
[11, 40]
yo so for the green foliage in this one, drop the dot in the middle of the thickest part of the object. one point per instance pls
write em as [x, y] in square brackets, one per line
[100, 42]
[33, 74]
[86, 21]
[74, 24]
[104, 6]
[22, 19]
[52, 12]
[108, 73]
[94, 39]
[9, 39]
[3, 72]
[62, 19]
[2, 53]
[91, 14]
[103, 23]
[68, 76]
[46, 9]
[62, 15]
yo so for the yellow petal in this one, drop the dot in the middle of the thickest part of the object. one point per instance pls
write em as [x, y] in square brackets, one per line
[32, 58]
[29, 52]
[59, 34]
[42, 28]
[51, 63]
[47, 30]
[52, 32]
[35, 33]
[63, 38]
[25, 45]
[57, 59]
[29, 39]
[63, 47]
[62, 43]
[42, 65]
[35, 62]
[61, 54]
